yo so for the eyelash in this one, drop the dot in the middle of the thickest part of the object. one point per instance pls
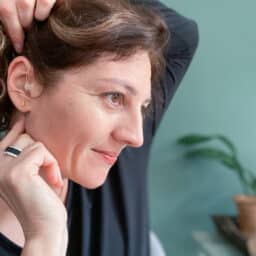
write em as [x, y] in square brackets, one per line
[115, 94]
[145, 110]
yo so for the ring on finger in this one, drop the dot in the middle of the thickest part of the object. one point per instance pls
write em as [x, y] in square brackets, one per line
[12, 151]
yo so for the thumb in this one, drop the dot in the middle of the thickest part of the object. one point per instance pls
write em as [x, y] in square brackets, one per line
[52, 173]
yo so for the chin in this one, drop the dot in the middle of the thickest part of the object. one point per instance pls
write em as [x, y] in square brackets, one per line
[95, 185]
[92, 182]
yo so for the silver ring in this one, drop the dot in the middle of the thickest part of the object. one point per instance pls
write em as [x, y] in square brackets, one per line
[12, 151]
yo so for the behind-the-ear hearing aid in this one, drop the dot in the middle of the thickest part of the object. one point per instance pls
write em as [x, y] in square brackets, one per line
[27, 87]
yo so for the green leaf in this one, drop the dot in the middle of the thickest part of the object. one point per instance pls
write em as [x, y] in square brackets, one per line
[228, 159]
[207, 152]
[215, 154]
[229, 162]
[253, 185]
[228, 143]
[221, 156]
[193, 139]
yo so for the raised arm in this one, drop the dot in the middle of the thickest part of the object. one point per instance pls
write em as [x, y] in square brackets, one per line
[18, 14]
[183, 43]
[180, 51]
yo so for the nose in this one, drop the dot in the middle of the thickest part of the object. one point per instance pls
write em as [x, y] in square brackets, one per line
[130, 130]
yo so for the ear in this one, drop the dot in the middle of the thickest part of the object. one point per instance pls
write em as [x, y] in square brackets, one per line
[21, 84]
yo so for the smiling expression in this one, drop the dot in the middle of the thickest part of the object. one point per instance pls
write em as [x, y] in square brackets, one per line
[91, 114]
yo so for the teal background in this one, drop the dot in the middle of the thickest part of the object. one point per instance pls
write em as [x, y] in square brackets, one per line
[216, 96]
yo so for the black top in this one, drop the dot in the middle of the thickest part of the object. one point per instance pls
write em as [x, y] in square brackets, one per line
[113, 219]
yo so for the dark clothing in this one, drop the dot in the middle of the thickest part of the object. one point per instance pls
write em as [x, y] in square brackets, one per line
[113, 219]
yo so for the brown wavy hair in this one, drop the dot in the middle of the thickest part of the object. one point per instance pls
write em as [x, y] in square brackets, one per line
[77, 33]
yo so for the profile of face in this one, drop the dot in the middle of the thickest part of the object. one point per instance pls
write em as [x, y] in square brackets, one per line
[91, 114]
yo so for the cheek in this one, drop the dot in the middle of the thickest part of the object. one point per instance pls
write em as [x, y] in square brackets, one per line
[69, 131]
[55, 126]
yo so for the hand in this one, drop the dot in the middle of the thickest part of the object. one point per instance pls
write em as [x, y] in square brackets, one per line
[36, 206]
[19, 14]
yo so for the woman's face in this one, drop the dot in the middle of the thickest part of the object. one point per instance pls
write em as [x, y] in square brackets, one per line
[91, 114]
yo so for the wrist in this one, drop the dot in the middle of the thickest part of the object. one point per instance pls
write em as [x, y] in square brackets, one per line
[40, 228]
[48, 242]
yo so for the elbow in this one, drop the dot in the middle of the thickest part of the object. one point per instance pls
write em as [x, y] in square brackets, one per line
[192, 38]
[184, 38]
[194, 41]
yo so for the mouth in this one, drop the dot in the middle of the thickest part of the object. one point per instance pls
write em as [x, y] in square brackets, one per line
[108, 157]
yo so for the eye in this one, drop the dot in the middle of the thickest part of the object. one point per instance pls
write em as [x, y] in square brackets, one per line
[116, 99]
[146, 110]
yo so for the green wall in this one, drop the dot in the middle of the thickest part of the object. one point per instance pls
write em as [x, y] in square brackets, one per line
[218, 95]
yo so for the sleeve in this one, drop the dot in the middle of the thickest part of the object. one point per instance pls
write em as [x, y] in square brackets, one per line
[180, 51]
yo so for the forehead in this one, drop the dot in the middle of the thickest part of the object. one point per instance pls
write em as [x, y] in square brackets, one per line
[135, 70]
[134, 67]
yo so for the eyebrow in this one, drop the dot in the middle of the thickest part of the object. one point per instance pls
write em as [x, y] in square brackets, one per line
[124, 84]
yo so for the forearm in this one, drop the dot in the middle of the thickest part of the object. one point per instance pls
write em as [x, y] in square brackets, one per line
[184, 31]
[180, 50]
[54, 244]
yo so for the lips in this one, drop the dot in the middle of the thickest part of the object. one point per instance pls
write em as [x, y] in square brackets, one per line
[108, 157]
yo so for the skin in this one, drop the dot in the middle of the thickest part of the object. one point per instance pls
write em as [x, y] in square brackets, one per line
[45, 166]
[21, 193]
[71, 129]
[17, 15]
[87, 118]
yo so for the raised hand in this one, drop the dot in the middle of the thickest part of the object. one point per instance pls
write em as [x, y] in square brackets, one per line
[17, 15]
[39, 210]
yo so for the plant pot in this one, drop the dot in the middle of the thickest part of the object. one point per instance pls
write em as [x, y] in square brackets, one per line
[246, 206]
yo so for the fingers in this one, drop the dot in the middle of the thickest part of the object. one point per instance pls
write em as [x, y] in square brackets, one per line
[18, 14]
[13, 134]
[38, 157]
[25, 9]
[23, 189]
[34, 156]
[10, 20]
[43, 8]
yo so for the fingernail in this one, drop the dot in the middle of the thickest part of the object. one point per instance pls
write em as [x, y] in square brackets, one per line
[60, 181]
[18, 47]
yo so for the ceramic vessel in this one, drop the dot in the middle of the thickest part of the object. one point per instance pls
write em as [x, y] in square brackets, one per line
[246, 206]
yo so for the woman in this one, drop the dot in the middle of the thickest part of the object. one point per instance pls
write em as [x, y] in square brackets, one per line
[83, 72]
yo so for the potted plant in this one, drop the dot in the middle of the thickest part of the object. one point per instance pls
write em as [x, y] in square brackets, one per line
[199, 146]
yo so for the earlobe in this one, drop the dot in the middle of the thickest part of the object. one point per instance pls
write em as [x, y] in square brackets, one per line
[21, 83]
